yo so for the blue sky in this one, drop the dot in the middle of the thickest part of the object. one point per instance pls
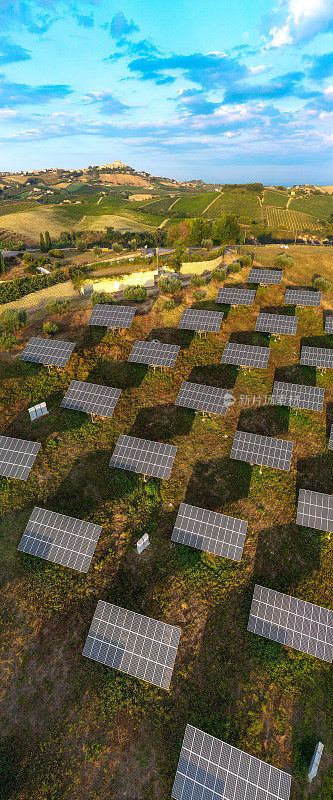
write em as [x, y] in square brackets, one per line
[218, 90]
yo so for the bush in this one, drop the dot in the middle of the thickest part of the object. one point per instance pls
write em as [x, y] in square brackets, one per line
[50, 328]
[28, 258]
[7, 340]
[11, 320]
[235, 267]
[207, 244]
[321, 284]
[31, 269]
[199, 294]
[169, 305]
[246, 260]
[56, 253]
[98, 298]
[284, 261]
[219, 274]
[57, 306]
[117, 248]
[137, 294]
[97, 251]
[198, 280]
[169, 285]
[83, 269]
[81, 247]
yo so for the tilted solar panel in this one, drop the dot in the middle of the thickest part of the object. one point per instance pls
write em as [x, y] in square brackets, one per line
[293, 622]
[17, 457]
[235, 296]
[132, 643]
[61, 539]
[92, 398]
[210, 769]
[264, 276]
[143, 456]
[276, 323]
[329, 324]
[109, 316]
[156, 353]
[321, 357]
[209, 399]
[194, 320]
[315, 510]
[263, 450]
[298, 396]
[302, 297]
[206, 530]
[246, 355]
[51, 352]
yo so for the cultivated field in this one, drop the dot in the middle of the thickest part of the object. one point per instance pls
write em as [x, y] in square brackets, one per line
[281, 219]
[321, 207]
[75, 730]
[117, 221]
[241, 202]
[274, 198]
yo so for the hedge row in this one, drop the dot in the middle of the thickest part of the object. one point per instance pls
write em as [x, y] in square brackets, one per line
[19, 287]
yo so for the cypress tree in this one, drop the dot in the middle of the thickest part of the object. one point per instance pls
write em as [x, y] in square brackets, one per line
[42, 243]
[48, 243]
[2, 264]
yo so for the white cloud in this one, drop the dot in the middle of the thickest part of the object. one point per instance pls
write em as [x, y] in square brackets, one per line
[305, 19]
[256, 70]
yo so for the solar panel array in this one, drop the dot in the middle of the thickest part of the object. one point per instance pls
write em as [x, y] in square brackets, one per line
[61, 539]
[298, 396]
[236, 296]
[329, 324]
[110, 316]
[265, 275]
[293, 622]
[210, 769]
[276, 323]
[263, 450]
[209, 399]
[321, 357]
[17, 457]
[155, 353]
[206, 530]
[302, 297]
[52, 352]
[246, 355]
[143, 456]
[92, 398]
[330, 443]
[133, 643]
[315, 510]
[194, 320]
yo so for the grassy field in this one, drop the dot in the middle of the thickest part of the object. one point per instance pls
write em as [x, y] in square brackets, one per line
[120, 222]
[281, 219]
[75, 730]
[321, 207]
[237, 201]
[13, 206]
[194, 205]
[274, 198]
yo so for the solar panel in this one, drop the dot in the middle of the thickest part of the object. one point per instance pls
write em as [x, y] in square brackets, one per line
[109, 316]
[265, 275]
[52, 352]
[209, 399]
[298, 396]
[155, 353]
[17, 456]
[302, 297]
[135, 644]
[329, 324]
[330, 443]
[236, 296]
[246, 355]
[38, 411]
[263, 450]
[276, 323]
[321, 357]
[292, 622]
[194, 320]
[61, 539]
[209, 531]
[143, 456]
[210, 769]
[92, 398]
[315, 510]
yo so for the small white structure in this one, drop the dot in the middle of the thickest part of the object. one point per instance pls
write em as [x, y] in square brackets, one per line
[315, 761]
[143, 543]
[44, 271]
[38, 411]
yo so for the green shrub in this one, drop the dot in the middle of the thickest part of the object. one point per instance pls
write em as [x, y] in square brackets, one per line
[28, 258]
[136, 294]
[57, 306]
[31, 269]
[98, 298]
[97, 251]
[83, 269]
[235, 267]
[50, 328]
[284, 261]
[169, 285]
[169, 305]
[246, 260]
[12, 320]
[56, 253]
[321, 284]
[207, 244]
[7, 340]
[198, 280]
[219, 274]
[199, 294]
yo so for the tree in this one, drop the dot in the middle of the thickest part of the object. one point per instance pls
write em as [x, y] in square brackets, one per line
[137, 294]
[42, 244]
[97, 251]
[321, 284]
[179, 254]
[207, 244]
[48, 243]
[2, 264]
[11, 320]
[284, 261]
[50, 328]
[117, 248]
[199, 229]
[169, 285]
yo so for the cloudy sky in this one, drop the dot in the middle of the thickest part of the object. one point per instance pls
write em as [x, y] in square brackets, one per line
[211, 89]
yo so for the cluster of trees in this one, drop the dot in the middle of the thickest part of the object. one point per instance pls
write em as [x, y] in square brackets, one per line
[19, 287]
[205, 233]
[45, 243]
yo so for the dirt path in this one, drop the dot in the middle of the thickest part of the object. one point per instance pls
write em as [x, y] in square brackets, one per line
[98, 201]
[173, 204]
[288, 203]
[163, 223]
[213, 201]
[262, 210]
